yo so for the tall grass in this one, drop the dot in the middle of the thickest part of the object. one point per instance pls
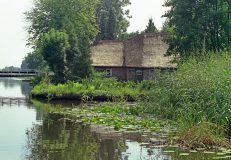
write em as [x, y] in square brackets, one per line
[202, 90]
[198, 93]
[99, 86]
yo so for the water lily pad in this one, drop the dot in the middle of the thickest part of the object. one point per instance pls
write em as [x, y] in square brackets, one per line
[169, 151]
[184, 154]
[221, 153]
[200, 149]
[209, 152]
[193, 151]
[174, 146]
[227, 151]
[217, 157]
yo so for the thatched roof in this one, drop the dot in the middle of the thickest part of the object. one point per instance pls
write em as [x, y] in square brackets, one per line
[108, 53]
[145, 50]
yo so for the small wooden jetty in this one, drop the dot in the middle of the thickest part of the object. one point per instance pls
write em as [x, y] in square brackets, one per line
[14, 100]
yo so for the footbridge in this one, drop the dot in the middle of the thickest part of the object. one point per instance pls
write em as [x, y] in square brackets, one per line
[19, 73]
[14, 100]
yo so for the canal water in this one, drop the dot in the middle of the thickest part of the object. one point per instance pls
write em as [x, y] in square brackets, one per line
[29, 133]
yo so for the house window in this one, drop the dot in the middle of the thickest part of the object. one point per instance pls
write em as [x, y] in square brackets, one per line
[108, 72]
[139, 72]
[151, 72]
[131, 70]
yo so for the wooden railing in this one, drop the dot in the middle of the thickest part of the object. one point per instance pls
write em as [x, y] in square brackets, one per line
[14, 100]
[18, 73]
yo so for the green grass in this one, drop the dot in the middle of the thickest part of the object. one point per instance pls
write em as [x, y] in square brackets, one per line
[120, 116]
[197, 94]
[108, 88]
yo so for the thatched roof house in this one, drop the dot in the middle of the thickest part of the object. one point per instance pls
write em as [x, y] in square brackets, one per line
[135, 59]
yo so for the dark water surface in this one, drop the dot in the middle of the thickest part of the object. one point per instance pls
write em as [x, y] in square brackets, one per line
[30, 133]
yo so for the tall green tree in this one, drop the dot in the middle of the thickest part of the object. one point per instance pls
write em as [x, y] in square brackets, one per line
[198, 26]
[126, 36]
[165, 27]
[112, 18]
[53, 46]
[151, 28]
[77, 19]
[33, 60]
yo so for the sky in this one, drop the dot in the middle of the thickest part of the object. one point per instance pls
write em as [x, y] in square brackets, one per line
[13, 34]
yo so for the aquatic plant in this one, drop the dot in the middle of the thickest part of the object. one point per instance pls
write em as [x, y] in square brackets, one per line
[198, 93]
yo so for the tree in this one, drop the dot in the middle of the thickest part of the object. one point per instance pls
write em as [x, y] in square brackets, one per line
[77, 19]
[125, 36]
[198, 26]
[53, 46]
[33, 60]
[165, 27]
[151, 28]
[10, 68]
[112, 19]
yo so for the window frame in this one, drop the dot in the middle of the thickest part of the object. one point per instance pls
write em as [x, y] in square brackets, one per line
[139, 72]
[151, 72]
[108, 72]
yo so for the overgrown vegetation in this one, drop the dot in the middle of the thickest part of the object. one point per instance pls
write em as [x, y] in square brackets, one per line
[198, 94]
[121, 116]
[97, 88]
[62, 32]
[207, 28]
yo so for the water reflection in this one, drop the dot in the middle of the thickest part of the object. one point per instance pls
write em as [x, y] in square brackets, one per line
[61, 139]
[14, 87]
[36, 134]
[14, 121]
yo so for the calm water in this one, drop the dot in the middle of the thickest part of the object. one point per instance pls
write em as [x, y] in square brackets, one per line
[27, 133]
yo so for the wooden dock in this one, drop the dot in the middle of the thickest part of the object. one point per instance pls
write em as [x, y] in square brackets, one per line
[14, 100]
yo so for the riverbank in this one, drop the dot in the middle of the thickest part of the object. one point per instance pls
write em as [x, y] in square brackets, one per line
[197, 98]
[100, 118]
[116, 120]
[103, 89]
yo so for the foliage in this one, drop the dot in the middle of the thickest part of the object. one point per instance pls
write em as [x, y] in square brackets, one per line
[119, 115]
[199, 92]
[53, 47]
[126, 36]
[89, 89]
[33, 60]
[196, 97]
[197, 27]
[10, 68]
[57, 139]
[204, 135]
[204, 87]
[76, 18]
[112, 19]
[150, 28]
[165, 27]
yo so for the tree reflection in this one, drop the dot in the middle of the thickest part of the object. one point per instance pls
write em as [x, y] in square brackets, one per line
[12, 83]
[25, 88]
[9, 82]
[61, 139]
